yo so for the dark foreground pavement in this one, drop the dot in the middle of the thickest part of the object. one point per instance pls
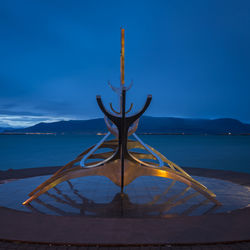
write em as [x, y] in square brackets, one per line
[225, 231]
[232, 246]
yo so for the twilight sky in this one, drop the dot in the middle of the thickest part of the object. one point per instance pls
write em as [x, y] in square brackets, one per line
[192, 56]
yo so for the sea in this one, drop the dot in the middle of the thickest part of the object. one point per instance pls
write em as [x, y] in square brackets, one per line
[224, 152]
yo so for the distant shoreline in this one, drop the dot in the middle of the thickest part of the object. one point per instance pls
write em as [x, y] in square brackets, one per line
[148, 126]
[203, 134]
[14, 133]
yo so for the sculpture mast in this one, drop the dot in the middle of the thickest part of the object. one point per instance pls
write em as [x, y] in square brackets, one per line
[122, 56]
[122, 66]
[122, 109]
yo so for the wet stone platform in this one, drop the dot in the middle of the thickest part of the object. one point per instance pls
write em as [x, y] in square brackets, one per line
[152, 214]
[145, 197]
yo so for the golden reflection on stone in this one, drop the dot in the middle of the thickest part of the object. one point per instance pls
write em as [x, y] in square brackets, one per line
[121, 205]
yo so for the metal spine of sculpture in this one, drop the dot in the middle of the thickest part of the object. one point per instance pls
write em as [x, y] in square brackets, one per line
[118, 159]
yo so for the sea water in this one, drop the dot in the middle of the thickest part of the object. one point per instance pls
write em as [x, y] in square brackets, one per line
[212, 151]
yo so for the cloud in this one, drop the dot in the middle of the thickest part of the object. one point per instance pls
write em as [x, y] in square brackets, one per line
[26, 120]
[15, 115]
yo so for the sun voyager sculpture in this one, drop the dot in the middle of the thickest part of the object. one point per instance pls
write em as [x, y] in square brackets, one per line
[118, 159]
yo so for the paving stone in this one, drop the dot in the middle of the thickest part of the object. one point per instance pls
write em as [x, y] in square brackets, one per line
[196, 247]
[176, 248]
[62, 247]
[186, 247]
[73, 248]
[167, 247]
[90, 248]
[227, 247]
[130, 248]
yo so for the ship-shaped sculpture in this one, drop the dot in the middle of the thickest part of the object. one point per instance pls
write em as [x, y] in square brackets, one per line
[121, 160]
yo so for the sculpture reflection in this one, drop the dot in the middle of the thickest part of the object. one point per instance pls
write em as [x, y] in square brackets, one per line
[121, 205]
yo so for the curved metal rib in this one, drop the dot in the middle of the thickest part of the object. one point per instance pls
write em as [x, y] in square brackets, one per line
[130, 85]
[116, 90]
[149, 150]
[134, 117]
[108, 114]
[130, 108]
[133, 128]
[113, 130]
[111, 106]
[82, 162]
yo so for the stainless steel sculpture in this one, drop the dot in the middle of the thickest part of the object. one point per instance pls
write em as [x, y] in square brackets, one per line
[119, 159]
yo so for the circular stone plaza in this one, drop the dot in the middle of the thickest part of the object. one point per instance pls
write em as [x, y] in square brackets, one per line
[152, 213]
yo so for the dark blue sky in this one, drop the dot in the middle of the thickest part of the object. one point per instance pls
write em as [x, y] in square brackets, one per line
[192, 56]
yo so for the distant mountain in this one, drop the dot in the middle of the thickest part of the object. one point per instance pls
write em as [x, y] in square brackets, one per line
[68, 127]
[147, 124]
[193, 126]
[2, 129]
